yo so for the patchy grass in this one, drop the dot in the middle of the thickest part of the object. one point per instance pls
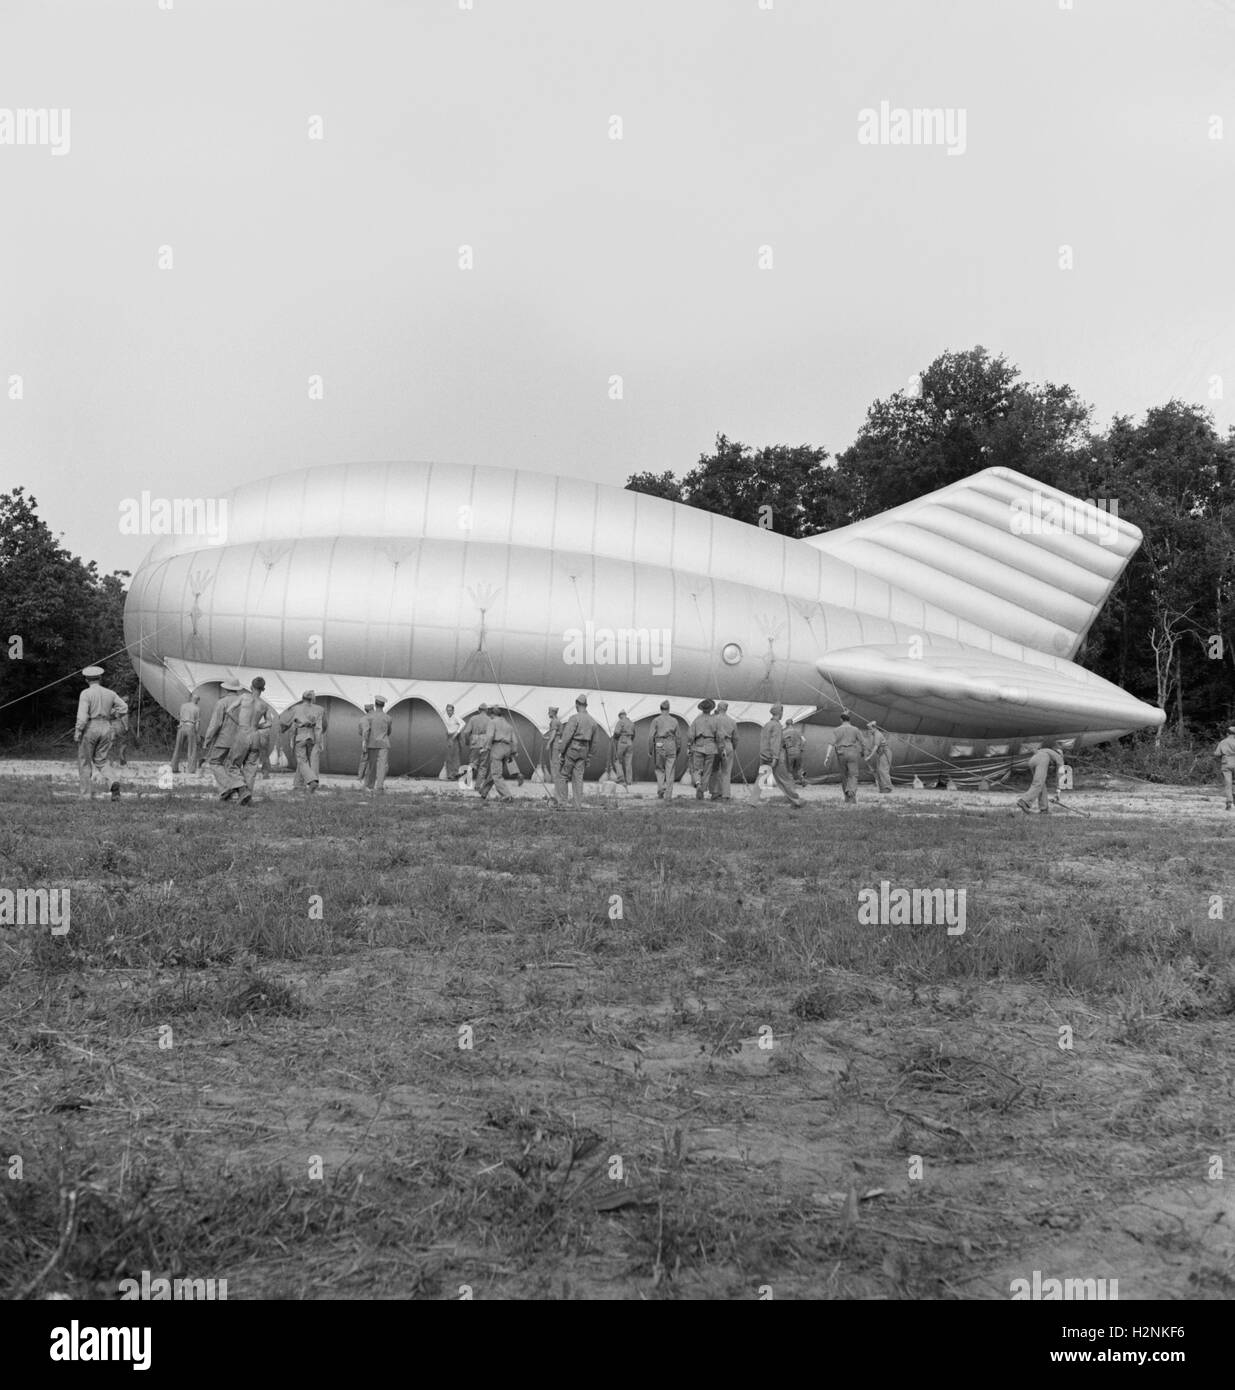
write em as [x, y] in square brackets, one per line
[332, 1047]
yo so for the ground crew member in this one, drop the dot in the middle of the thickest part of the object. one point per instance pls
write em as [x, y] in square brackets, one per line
[704, 747]
[1040, 764]
[772, 755]
[551, 749]
[220, 737]
[362, 728]
[187, 731]
[118, 753]
[879, 755]
[624, 749]
[477, 732]
[663, 750]
[304, 721]
[722, 771]
[454, 729]
[380, 725]
[499, 745]
[578, 734]
[1225, 753]
[254, 721]
[319, 743]
[96, 707]
[848, 745]
[793, 741]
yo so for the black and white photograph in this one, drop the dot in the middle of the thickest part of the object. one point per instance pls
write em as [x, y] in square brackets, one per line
[555, 559]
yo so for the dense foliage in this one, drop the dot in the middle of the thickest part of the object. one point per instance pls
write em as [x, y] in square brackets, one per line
[1171, 475]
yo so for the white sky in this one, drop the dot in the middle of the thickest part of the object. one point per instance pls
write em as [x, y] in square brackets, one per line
[1087, 126]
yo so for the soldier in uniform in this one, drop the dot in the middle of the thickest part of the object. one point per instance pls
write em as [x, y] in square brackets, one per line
[794, 743]
[848, 745]
[499, 745]
[578, 734]
[96, 708]
[1040, 765]
[1225, 753]
[624, 749]
[304, 721]
[704, 746]
[380, 725]
[476, 732]
[187, 730]
[362, 728]
[119, 752]
[551, 748]
[772, 754]
[319, 743]
[879, 755]
[454, 729]
[726, 740]
[663, 750]
[220, 737]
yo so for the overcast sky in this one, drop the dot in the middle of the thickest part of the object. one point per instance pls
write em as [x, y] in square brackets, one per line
[594, 257]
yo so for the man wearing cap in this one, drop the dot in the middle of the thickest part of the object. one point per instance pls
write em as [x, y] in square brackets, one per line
[362, 728]
[499, 745]
[254, 722]
[454, 730]
[772, 755]
[96, 708]
[187, 730]
[726, 739]
[794, 743]
[578, 734]
[624, 749]
[879, 755]
[1040, 765]
[847, 743]
[704, 746]
[663, 750]
[1225, 753]
[304, 721]
[380, 725]
[221, 735]
[551, 747]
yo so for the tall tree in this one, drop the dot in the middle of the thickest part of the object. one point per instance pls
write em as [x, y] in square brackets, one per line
[56, 615]
[784, 488]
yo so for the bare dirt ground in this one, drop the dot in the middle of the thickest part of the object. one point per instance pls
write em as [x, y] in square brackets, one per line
[354, 1046]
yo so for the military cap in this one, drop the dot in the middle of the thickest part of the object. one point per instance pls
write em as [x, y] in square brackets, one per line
[552, 709]
[664, 704]
[778, 709]
[368, 709]
[621, 712]
[581, 699]
[379, 700]
[844, 714]
[707, 705]
[93, 673]
[308, 694]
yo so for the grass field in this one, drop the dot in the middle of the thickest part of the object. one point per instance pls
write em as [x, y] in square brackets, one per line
[346, 1047]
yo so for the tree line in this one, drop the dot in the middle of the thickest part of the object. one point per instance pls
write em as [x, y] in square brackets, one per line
[1164, 634]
